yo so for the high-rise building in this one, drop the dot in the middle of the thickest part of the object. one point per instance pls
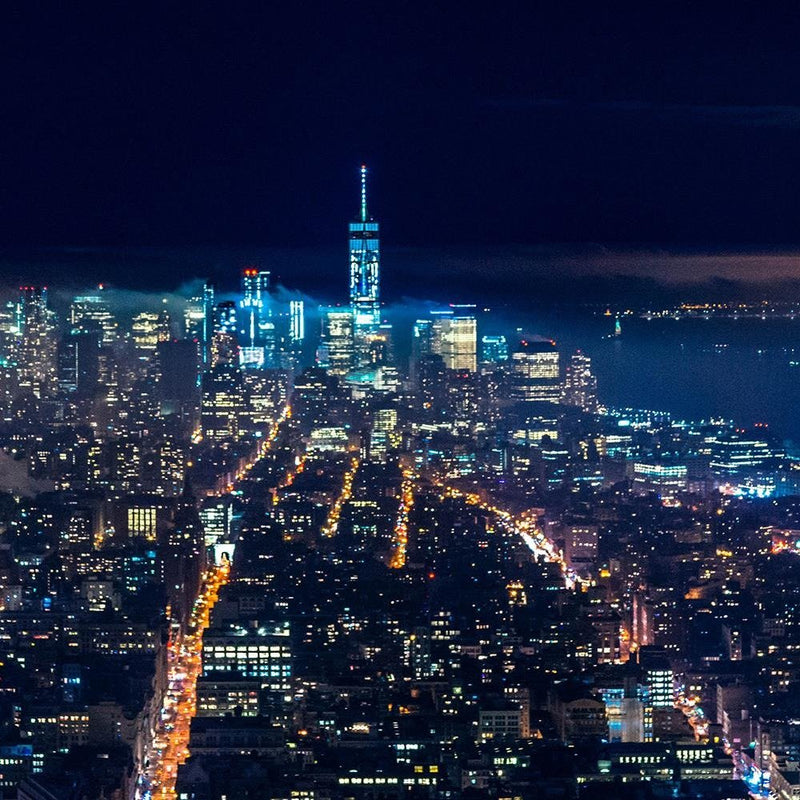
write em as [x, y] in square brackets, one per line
[537, 376]
[38, 367]
[455, 339]
[422, 338]
[289, 334]
[208, 323]
[364, 263]
[9, 332]
[224, 318]
[222, 402]
[255, 288]
[421, 345]
[148, 329]
[580, 547]
[383, 434]
[337, 353]
[125, 464]
[379, 346]
[297, 325]
[292, 350]
[580, 383]
[194, 316]
[224, 350]
[494, 349]
[181, 555]
[90, 311]
[265, 392]
[216, 514]
[364, 245]
[257, 331]
[79, 362]
[178, 380]
[431, 379]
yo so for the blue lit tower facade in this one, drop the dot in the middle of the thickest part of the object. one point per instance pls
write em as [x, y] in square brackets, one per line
[255, 288]
[258, 331]
[208, 322]
[364, 269]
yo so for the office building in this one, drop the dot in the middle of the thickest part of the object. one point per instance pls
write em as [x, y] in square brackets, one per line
[455, 339]
[254, 651]
[257, 330]
[222, 402]
[224, 350]
[735, 452]
[79, 362]
[536, 376]
[178, 382]
[580, 383]
[90, 311]
[297, 324]
[37, 365]
[494, 349]
[208, 326]
[337, 343]
[148, 329]
[194, 318]
[364, 246]
[225, 318]
[665, 479]
[421, 342]
[365, 264]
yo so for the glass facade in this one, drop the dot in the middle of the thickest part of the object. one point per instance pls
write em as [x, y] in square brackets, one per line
[365, 264]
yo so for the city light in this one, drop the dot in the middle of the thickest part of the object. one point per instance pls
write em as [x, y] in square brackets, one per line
[332, 522]
[170, 744]
[242, 538]
[400, 543]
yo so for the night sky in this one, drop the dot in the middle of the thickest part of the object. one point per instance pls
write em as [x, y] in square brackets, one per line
[244, 124]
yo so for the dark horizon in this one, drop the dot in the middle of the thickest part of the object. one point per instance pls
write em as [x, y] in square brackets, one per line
[514, 275]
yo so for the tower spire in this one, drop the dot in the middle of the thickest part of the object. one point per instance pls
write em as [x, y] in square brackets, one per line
[363, 192]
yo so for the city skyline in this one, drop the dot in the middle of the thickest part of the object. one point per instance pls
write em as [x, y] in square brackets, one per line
[399, 404]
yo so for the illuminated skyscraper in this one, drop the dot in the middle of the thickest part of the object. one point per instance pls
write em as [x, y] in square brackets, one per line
[455, 339]
[580, 383]
[292, 337]
[255, 288]
[194, 318]
[257, 332]
[9, 332]
[224, 318]
[297, 325]
[148, 329]
[336, 351]
[92, 311]
[224, 350]
[537, 376]
[289, 334]
[38, 367]
[208, 323]
[79, 361]
[421, 345]
[255, 299]
[222, 402]
[364, 273]
[494, 349]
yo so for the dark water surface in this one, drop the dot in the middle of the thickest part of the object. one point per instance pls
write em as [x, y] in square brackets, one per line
[747, 370]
